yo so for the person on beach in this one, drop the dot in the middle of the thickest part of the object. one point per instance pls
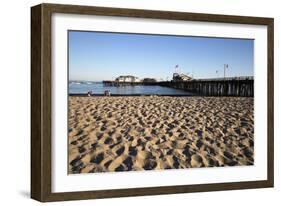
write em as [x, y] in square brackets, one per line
[106, 93]
[90, 93]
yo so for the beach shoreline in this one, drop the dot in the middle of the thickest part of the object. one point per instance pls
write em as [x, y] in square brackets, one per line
[134, 133]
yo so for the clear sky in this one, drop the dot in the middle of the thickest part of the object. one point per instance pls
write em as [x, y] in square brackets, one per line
[97, 56]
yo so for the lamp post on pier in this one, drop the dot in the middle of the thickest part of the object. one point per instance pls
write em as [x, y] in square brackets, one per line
[225, 66]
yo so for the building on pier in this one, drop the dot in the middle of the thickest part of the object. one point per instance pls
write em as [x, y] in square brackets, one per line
[181, 77]
[127, 78]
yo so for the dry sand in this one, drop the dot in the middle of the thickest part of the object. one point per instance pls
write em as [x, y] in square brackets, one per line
[109, 134]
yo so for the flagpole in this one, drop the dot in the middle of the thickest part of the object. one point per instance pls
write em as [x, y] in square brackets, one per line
[224, 72]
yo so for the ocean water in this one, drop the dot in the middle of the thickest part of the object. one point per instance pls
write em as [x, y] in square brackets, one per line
[99, 88]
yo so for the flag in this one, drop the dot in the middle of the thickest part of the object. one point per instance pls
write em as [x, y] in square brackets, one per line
[177, 66]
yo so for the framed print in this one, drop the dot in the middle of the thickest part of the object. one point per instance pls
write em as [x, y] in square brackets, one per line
[130, 102]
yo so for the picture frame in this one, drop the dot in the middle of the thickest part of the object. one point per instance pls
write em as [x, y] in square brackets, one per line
[41, 101]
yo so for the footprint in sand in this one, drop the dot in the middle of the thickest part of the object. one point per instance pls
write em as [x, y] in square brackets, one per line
[97, 158]
[120, 150]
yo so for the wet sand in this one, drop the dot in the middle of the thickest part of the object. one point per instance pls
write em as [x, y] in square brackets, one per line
[109, 134]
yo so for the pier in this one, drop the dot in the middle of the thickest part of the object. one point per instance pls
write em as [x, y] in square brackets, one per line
[239, 86]
[233, 87]
[118, 83]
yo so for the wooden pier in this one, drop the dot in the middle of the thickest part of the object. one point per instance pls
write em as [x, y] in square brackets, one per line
[119, 84]
[241, 87]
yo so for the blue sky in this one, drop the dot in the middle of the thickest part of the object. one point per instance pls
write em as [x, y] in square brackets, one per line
[97, 56]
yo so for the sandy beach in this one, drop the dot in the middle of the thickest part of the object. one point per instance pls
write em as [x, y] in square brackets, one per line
[109, 134]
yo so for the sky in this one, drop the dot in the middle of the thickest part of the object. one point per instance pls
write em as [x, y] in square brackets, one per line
[97, 56]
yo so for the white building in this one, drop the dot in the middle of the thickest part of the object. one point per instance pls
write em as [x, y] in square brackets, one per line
[127, 78]
[181, 77]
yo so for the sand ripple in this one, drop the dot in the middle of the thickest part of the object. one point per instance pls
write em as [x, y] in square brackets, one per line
[146, 133]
